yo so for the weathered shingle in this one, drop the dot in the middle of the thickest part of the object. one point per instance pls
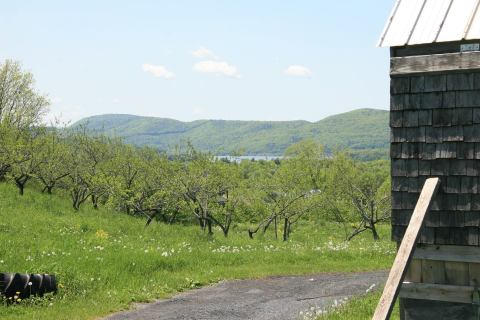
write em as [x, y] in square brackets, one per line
[398, 232]
[468, 185]
[464, 202]
[399, 168]
[396, 119]
[465, 99]
[434, 134]
[475, 202]
[464, 116]
[415, 134]
[398, 135]
[435, 83]
[453, 133]
[476, 115]
[427, 235]
[472, 219]
[458, 167]
[412, 168]
[428, 151]
[440, 167]
[446, 150]
[396, 150]
[442, 235]
[415, 102]
[471, 133]
[424, 167]
[409, 200]
[417, 84]
[430, 100]
[460, 81]
[399, 85]
[401, 217]
[397, 200]
[473, 167]
[400, 184]
[399, 101]
[443, 117]
[477, 151]
[451, 184]
[410, 118]
[425, 117]
[449, 99]
[466, 150]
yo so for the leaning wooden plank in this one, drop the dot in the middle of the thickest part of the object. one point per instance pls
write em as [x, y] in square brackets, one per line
[405, 252]
[437, 292]
[435, 63]
[448, 253]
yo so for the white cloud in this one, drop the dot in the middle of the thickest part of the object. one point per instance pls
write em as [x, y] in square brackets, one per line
[158, 71]
[216, 67]
[204, 53]
[298, 71]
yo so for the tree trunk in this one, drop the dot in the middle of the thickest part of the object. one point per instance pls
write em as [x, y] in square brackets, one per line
[286, 229]
[374, 232]
[276, 228]
[209, 224]
[20, 182]
[94, 201]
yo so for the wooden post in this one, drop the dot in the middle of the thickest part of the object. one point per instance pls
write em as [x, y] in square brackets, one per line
[405, 252]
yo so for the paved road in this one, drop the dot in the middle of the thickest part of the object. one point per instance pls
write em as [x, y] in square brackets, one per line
[266, 299]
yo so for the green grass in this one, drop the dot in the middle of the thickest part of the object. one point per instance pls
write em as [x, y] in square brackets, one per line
[360, 308]
[106, 260]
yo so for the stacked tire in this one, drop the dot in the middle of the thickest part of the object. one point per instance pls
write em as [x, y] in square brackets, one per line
[25, 285]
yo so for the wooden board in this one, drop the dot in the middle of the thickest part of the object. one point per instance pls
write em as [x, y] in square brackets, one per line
[435, 63]
[437, 292]
[448, 253]
[405, 252]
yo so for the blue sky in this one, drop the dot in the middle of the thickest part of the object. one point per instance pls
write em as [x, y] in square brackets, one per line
[215, 59]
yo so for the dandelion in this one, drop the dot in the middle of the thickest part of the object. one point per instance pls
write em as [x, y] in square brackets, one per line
[92, 279]
[101, 234]
[30, 283]
[1, 261]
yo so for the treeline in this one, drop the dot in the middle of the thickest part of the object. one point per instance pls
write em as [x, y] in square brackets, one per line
[188, 186]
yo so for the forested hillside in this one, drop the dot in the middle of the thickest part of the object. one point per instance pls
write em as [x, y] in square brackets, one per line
[364, 131]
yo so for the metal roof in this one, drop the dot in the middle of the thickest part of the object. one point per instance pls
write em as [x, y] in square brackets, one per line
[428, 21]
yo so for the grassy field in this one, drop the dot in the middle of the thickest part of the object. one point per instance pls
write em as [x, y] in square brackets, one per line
[360, 308]
[105, 260]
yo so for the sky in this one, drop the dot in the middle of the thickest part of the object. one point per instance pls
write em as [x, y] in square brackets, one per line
[210, 59]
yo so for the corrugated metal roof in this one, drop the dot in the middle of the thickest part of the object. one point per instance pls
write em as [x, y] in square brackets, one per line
[427, 21]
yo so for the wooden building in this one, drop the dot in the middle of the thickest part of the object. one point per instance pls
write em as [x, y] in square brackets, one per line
[435, 132]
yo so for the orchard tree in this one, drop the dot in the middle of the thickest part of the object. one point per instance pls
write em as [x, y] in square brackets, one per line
[53, 168]
[21, 106]
[360, 193]
[24, 156]
[294, 189]
[210, 189]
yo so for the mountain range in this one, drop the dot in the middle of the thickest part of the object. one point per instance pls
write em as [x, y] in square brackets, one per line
[363, 131]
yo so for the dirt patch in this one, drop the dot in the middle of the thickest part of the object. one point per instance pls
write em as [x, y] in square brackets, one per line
[265, 299]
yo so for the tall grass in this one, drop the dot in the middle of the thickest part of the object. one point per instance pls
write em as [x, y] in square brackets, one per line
[105, 260]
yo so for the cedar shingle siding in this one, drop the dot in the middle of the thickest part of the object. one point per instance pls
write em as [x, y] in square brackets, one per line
[435, 131]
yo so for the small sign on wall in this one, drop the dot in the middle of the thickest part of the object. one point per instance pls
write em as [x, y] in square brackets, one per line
[469, 47]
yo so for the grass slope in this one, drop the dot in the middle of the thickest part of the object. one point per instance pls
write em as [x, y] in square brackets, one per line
[365, 131]
[106, 260]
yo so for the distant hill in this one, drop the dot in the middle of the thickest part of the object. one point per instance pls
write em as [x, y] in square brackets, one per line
[364, 131]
